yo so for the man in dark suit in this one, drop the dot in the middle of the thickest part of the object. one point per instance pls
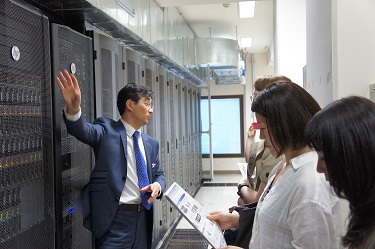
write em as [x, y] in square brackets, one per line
[111, 203]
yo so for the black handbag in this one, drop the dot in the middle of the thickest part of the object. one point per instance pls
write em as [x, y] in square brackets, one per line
[241, 236]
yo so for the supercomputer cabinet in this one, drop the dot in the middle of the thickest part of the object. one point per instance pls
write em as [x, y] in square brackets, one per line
[188, 130]
[177, 134]
[73, 159]
[134, 67]
[171, 134]
[194, 137]
[26, 154]
[172, 129]
[199, 135]
[197, 138]
[170, 167]
[152, 128]
[109, 78]
[162, 110]
[184, 136]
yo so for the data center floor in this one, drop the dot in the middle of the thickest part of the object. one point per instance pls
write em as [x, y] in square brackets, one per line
[217, 195]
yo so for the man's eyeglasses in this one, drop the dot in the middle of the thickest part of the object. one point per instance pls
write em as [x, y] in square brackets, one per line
[148, 105]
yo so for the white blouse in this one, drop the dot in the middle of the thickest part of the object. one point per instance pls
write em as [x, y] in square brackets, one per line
[300, 210]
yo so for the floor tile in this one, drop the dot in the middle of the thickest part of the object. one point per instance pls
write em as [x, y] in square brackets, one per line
[216, 197]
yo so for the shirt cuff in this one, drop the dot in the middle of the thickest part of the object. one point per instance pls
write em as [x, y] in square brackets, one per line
[74, 117]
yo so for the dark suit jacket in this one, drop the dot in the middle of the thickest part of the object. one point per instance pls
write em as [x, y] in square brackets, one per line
[99, 199]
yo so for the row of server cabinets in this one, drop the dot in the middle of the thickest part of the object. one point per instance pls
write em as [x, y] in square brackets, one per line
[175, 122]
[42, 167]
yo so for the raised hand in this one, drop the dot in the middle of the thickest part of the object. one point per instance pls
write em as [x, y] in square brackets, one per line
[250, 140]
[70, 91]
[251, 132]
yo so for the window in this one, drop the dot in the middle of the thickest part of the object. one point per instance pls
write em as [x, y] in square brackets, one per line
[227, 126]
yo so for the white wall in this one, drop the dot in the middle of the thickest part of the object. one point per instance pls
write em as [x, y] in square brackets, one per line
[319, 50]
[340, 54]
[290, 39]
[260, 67]
[354, 53]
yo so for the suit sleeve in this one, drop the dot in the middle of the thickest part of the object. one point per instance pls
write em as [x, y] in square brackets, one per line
[158, 173]
[85, 132]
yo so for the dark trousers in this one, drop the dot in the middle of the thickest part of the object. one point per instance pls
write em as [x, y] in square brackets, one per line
[128, 231]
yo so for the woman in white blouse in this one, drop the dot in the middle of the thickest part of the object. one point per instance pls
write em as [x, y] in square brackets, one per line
[298, 208]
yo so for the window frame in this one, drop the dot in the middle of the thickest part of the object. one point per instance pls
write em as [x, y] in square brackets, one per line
[241, 128]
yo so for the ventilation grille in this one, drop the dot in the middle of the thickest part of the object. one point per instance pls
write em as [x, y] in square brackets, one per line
[227, 76]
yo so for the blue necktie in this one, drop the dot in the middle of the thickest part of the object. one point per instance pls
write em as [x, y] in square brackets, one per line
[141, 171]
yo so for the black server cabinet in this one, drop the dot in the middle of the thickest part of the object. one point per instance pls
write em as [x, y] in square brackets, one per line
[74, 160]
[26, 154]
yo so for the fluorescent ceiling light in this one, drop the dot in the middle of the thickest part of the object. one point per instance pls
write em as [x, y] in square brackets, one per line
[247, 9]
[246, 42]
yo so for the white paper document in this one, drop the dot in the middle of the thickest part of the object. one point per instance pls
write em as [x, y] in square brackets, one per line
[195, 215]
[243, 169]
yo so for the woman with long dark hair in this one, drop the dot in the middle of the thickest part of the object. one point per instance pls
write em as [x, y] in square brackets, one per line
[343, 134]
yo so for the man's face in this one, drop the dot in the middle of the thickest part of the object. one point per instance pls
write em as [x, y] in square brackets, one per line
[143, 110]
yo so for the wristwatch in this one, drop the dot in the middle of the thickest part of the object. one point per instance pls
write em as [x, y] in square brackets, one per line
[239, 188]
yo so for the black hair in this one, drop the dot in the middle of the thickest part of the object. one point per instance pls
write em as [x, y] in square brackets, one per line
[131, 91]
[287, 108]
[345, 132]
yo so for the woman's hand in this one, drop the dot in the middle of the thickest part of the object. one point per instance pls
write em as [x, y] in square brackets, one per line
[250, 140]
[225, 220]
[251, 132]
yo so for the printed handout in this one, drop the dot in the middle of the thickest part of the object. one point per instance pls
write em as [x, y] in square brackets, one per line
[195, 215]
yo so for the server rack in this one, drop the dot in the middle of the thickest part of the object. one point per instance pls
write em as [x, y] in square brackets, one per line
[193, 138]
[73, 159]
[190, 130]
[166, 146]
[134, 67]
[150, 81]
[164, 153]
[177, 123]
[26, 155]
[109, 78]
[171, 127]
[172, 135]
[185, 136]
[153, 129]
[194, 147]
[199, 136]
[197, 139]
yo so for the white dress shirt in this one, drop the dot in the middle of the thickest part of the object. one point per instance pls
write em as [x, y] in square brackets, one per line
[300, 210]
[130, 194]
